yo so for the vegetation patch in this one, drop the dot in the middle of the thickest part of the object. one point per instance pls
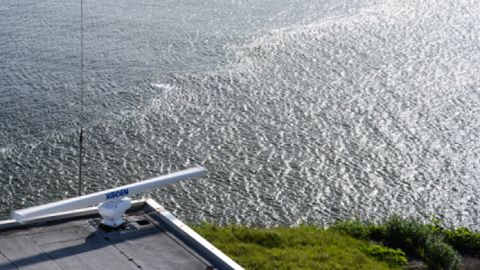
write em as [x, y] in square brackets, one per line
[463, 240]
[351, 244]
[394, 257]
[303, 247]
[439, 247]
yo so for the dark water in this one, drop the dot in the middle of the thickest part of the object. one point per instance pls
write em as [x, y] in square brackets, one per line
[303, 111]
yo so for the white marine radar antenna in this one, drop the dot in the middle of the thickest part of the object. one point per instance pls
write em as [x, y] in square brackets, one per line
[112, 202]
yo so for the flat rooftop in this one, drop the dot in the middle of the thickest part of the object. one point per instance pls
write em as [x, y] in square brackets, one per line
[152, 239]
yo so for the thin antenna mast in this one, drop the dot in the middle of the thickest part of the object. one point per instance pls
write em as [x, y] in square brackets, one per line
[82, 91]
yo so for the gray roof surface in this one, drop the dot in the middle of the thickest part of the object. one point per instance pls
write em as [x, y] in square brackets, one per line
[80, 244]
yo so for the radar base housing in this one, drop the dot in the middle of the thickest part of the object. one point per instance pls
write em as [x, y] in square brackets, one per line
[112, 211]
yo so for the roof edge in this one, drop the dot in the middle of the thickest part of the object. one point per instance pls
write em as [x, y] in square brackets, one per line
[191, 238]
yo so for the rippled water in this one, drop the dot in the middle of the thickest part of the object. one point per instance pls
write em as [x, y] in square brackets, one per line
[303, 111]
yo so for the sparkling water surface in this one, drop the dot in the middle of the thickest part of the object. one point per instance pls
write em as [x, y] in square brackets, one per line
[302, 111]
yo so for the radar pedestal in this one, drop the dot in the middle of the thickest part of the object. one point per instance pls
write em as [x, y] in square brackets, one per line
[112, 211]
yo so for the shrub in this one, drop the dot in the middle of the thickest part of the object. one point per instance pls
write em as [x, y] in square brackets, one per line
[357, 229]
[441, 256]
[394, 257]
[406, 234]
[429, 242]
[463, 240]
[354, 228]
[425, 241]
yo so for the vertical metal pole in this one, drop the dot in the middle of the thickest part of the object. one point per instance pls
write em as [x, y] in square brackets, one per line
[82, 91]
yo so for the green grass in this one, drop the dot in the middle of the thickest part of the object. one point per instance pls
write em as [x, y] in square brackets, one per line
[351, 244]
[304, 247]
